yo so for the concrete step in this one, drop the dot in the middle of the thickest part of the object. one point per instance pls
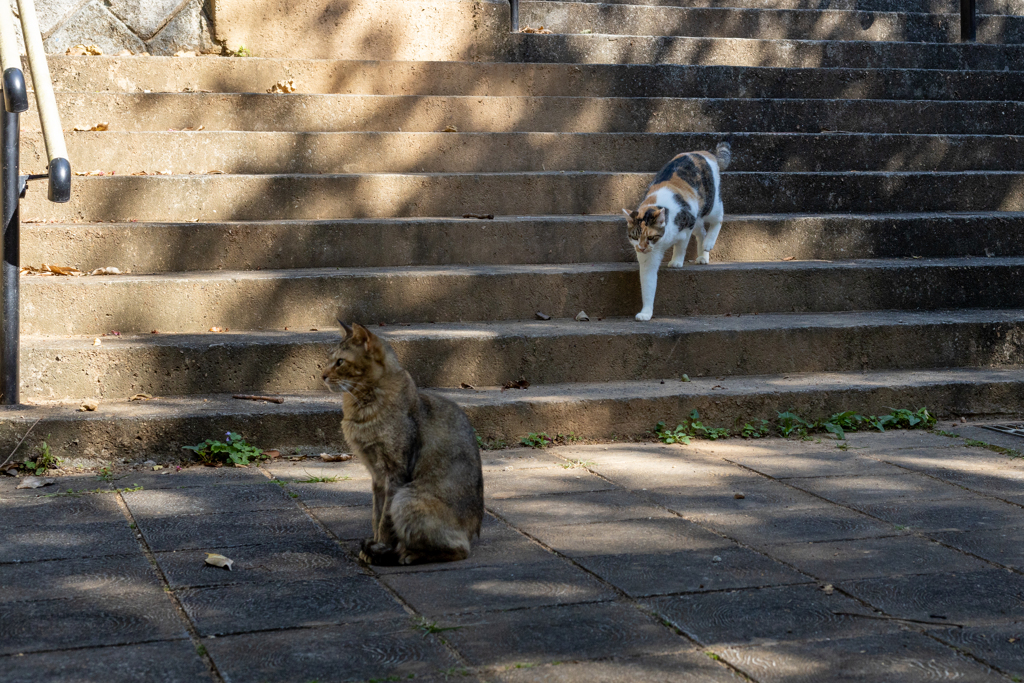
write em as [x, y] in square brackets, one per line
[170, 75]
[343, 113]
[917, 6]
[126, 153]
[824, 24]
[598, 410]
[313, 197]
[303, 299]
[574, 48]
[548, 352]
[355, 243]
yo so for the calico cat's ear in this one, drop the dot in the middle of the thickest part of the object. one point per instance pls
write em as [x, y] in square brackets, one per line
[345, 329]
[657, 217]
[631, 216]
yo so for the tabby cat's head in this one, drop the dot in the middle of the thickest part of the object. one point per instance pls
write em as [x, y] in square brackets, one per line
[645, 231]
[358, 362]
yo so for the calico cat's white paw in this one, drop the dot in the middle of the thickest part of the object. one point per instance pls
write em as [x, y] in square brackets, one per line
[676, 264]
[644, 316]
[704, 258]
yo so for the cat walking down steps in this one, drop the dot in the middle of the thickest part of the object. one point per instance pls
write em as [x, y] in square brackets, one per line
[682, 200]
[421, 451]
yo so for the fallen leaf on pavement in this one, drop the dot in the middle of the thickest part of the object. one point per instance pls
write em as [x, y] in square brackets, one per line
[335, 457]
[216, 560]
[283, 86]
[141, 397]
[582, 317]
[35, 482]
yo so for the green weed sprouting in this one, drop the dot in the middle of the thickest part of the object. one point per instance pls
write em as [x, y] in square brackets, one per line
[235, 450]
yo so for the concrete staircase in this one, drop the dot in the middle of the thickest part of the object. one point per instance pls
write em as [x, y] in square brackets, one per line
[871, 256]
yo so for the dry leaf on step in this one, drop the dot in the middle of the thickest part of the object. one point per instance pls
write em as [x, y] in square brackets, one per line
[218, 329]
[450, 129]
[466, 385]
[125, 53]
[789, 258]
[283, 87]
[98, 127]
[539, 29]
[582, 317]
[35, 482]
[827, 589]
[517, 384]
[216, 560]
[335, 457]
[80, 50]
[96, 341]
[542, 316]
[185, 53]
[46, 269]
[141, 397]
[109, 270]
[89, 404]
[96, 172]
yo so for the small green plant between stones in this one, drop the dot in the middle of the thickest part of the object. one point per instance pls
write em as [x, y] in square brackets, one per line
[1009, 452]
[573, 464]
[454, 671]
[537, 440]
[666, 435]
[489, 444]
[321, 480]
[234, 449]
[45, 460]
[242, 51]
[428, 627]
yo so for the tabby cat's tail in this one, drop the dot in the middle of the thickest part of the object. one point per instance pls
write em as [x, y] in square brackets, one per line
[724, 155]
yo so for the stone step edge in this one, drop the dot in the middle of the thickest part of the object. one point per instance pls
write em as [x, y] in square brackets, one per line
[599, 411]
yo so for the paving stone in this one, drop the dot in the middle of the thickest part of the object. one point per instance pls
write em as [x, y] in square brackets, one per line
[289, 470]
[228, 530]
[746, 492]
[996, 545]
[69, 484]
[904, 656]
[144, 18]
[574, 508]
[829, 463]
[659, 556]
[684, 667]
[862, 491]
[1001, 646]
[84, 509]
[239, 499]
[897, 440]
[272, 605]
[967, 512]
[89, 621]
[548, 634]
[510, 586]
[1004, 482]
[666, 467]
[497, 545]
[329, 494]
[112, 575]
[519, 459]
[768, 615]
[41, 539]
[188, 477]
[259, 563]
[541, 481]
[349, 652]
[348, 523]
[163, 662]
[953, 457]
[874, 557]
[769, 527]
[985, 598]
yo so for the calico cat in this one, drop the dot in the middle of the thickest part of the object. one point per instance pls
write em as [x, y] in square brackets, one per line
[428, 488]
[683, 200]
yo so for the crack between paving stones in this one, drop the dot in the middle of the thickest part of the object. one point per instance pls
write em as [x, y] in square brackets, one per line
[89, 648]
[193, 632]
[367, 570]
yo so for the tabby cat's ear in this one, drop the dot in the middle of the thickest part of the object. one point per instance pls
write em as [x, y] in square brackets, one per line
[345, 329]
[371, 343]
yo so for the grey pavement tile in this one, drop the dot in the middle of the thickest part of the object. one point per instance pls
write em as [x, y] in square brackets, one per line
[901, 657]
[329, 494]
[1002, 546]
[541, 481]
[112, 575]
[549, 634]
[898, 440]
[272, 605]
[100, 618]
[982, 598]
[259, 563]
[830, 463]
[75, 483]
[518, 459]
[746, 492]
[510, 586]
[187, 477]
[961, 458]
[385, 650]
[202, 532]
[238, 499]
[768, 527]
[348, 523]
[768, 615]
[666, 467]
[966, 513]
[574, 508]
[685, 667]
[497, 545]
[860, 491]
[42, 539]
[874, 557]
[1002, 646]
[305, 469]
[1004, 482]
[81, 509]
[659, 556]
[163, 662]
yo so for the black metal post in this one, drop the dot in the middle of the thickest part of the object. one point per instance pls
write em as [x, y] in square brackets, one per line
[968, 21]
[10, 192]
[514, 8]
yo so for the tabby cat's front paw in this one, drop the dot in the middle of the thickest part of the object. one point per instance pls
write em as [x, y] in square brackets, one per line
[644, 316]
[704, 258]
[377, 553]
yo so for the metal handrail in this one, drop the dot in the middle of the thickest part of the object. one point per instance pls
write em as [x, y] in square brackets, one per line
[12, 184]
[968, 21]
[513, 6]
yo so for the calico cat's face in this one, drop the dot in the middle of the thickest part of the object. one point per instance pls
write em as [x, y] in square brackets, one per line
[645, 231]
[357, 363]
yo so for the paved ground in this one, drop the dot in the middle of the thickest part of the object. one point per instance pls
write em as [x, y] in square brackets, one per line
[894, 558]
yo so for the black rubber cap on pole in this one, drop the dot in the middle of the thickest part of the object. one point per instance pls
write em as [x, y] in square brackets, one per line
[15, 96]
[60, 181]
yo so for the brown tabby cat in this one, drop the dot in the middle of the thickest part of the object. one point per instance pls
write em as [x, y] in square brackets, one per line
[428, 488]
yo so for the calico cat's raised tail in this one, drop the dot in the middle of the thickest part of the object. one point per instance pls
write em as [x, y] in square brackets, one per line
[682, 201]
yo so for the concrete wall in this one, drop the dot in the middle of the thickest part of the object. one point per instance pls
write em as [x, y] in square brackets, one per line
[313, 29]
